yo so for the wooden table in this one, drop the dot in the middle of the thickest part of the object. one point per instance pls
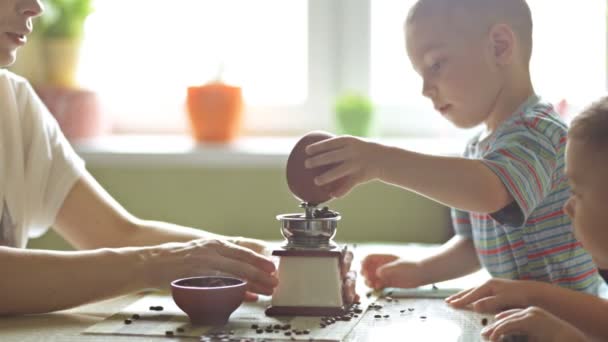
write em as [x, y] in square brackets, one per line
[431, 319]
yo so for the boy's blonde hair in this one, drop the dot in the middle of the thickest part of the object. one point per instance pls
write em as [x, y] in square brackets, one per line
[591, 126]
[484, 14]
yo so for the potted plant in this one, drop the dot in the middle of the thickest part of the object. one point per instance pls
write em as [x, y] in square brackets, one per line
[354, 114]
[215, 110]
[61, 30]
[59, 33]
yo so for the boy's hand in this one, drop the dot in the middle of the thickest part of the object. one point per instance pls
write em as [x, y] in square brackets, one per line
[495, 295]
[356, 161]
[385, 270]
[537, 324]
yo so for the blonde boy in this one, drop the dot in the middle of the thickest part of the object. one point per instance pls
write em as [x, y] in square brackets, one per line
[508, 190]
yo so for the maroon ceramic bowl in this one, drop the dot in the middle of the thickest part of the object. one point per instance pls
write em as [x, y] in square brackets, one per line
[208, 300]
[300, 179]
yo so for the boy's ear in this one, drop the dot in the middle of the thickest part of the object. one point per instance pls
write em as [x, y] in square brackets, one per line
[502, 39]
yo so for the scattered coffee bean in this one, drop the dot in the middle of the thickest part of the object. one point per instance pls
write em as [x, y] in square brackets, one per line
[180, 330]
[387, 316]
[254, 326]
[128, 321]
[377, 316]
[288, 333]
[484, 321]
[135, 316]
[369, 294]
[410, 309]
[358, 311]
[259, 331]
[422, 317]
[169, 333]
[286, 327]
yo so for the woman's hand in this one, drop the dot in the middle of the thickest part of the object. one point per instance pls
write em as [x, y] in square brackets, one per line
[171, 261]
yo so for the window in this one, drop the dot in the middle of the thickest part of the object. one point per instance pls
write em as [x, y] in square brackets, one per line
[141, 55]
[568, 62]
[293, 57]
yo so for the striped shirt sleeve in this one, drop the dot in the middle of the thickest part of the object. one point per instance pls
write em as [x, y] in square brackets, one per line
[525, 161]
[461, 221]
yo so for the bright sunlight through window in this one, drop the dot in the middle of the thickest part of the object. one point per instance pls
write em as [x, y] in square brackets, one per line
[141, 55]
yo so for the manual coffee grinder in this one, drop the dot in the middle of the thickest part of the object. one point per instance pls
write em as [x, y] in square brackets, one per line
[310, 262]
[310, 279]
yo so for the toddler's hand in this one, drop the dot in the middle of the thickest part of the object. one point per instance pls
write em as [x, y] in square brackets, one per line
[385, 270]
[495, 295]
[535, 323]
[352, 160]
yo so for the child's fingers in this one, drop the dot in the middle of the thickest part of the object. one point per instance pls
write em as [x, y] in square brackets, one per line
[514, 325]
[340, 171]
[325, 145]
[471, 296]
[490, 304]
[328, 158]
[458, 295]
[507, 313]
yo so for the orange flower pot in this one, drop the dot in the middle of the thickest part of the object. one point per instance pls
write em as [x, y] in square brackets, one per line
[215, 111]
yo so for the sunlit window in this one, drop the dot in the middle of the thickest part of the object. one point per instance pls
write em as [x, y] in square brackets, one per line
[141, 55]
[568, 63]
[293, 58]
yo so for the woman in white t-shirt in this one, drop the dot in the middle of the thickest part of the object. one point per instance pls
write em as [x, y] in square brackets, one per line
[44, 183]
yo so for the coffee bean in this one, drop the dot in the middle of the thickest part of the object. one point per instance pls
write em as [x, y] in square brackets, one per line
[422, 317]
[181, 330]
[169, 333]
[135, 316]
[410, 309]
[254, 326]
[259, 331]
[128, 321]
[287, 333]
[377, 316]
[484, 322]
[387, 316]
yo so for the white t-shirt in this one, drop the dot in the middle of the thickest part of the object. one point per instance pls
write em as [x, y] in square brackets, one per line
[38, 167]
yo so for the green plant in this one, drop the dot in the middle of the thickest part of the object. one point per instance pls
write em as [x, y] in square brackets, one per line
[354, 114]
[64, 18]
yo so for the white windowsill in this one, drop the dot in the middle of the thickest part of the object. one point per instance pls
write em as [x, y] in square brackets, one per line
[181, 150]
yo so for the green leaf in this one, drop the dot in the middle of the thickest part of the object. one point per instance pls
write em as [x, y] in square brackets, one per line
[64, 18]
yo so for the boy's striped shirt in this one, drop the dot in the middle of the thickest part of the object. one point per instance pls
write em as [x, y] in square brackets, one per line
[532, 238]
